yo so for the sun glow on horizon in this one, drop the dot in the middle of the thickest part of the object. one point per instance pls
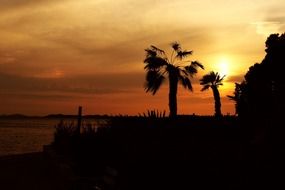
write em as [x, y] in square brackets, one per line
[222, 66]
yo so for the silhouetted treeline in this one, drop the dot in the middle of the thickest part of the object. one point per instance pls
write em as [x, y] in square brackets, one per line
[261, 94]
[260, 98]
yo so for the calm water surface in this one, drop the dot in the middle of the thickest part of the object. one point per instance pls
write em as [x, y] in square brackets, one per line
[18, 136]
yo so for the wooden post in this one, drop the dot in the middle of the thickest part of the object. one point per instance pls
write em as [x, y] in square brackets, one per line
[79, 120]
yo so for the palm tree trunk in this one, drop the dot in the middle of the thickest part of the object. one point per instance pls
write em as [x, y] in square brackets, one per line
[173, 83]
[217, 98]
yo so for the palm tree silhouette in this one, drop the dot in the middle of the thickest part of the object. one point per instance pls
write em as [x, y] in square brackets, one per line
[176, 69]
[213, 80]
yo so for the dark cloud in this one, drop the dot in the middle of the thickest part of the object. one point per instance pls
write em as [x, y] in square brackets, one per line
[125, 48]
[35, 96]
[235, 78]
[85, 84]
[275, 14]
[29, 61]
[7, 5]
[278, 20]
[274, 18]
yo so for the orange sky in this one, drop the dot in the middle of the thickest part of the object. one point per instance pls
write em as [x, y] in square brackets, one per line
[56, 55]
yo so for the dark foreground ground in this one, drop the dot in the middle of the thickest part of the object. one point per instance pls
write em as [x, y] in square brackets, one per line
[154, 154]
[28, 172]
[33, 172]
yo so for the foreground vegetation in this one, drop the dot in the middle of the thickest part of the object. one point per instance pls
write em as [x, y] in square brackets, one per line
[166, 153]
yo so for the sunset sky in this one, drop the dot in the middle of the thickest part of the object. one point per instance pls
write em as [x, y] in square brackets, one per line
[56, 55]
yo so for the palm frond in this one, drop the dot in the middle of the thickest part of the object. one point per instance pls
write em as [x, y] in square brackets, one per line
[186, 83]
[154, 80]
[154, 62]
[212, 78]
[233, 98]
[217, 76]
[154, 48]
[191, 70]
[183, 72]
[219, 84]
[197, 64]
[208, 79]
[221, 79]
[182, 54]
[176, 46]
[205, 87]
[157, 66]
[205, 80]
[150, 53]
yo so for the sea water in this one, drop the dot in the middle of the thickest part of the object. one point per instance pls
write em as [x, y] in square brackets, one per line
[19, 136]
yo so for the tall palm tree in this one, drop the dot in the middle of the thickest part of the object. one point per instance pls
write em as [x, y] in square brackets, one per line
[213, 80]
[177, 68]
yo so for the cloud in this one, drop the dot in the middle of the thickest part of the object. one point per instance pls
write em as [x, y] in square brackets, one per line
[268, 27]
[235, 78]
[38, 96]
[87, 38]
[273, 20]
[7, 5]
[52, 48]
[85, 84]
[6, 58]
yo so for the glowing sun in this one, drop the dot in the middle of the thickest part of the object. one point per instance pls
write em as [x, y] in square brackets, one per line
[223, 67]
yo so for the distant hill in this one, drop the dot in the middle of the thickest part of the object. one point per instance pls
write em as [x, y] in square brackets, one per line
[15, 116]
[50, 116]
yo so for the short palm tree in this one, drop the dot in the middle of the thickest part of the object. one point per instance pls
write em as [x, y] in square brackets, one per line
[213, 80]
[176, 68]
